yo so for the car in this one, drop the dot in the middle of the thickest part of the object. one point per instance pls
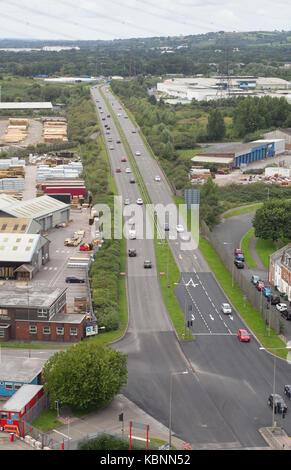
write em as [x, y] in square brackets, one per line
[157, 178]
[103, 119]
[286, 314]
[105, 125]
[127, 170]
[108, 115]
[75, 279]
[134, 131]
[240, 257]
[118, 114]
[166, 227]
[238, 251]
[281, 307]
[132, 180]
[179, 228]
[260, 285]
[287, 391]
[139, 201]
[131, 252]
[266, 291]
[255, 279]
[132, 234]
[100, 107]
[274, 299]
[226, 308]
[107, 132]
[118, 170]
[243, 335]
[221, 172]
[239, 264]
[131, 222]
[125, 117]
[109, 138]
[277, 402]
[118, 142]
[111, 147]
[137, 154]
[126, 202]
[147, 264]
[108, 128]
[123, 159]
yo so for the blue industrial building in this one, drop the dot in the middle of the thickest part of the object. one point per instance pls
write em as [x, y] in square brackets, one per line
[15, 372]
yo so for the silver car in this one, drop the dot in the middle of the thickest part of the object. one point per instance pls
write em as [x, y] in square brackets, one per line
[226, 308]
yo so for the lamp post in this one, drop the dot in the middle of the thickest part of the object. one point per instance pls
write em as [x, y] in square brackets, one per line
[288, 346]
[170, 410]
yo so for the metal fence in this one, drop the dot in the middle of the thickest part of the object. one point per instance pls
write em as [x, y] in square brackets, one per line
[258, 301]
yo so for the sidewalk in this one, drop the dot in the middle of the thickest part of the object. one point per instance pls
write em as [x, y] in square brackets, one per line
[255, 256]
[276, 438]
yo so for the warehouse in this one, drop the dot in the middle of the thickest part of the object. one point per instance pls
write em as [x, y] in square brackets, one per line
[29, 105]
[19, 225]
[236, 155]
[17, 371]
[48, 212]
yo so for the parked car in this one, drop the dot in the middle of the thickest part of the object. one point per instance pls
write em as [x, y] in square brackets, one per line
[243, 335]
[118, 142]
[132, 234]
[75, 279]
[108, 115]
[286, 314]
[226, 308]
[281, 307]
[111, 147]
[139, 201]
[126, 201]
[157, 178]
[260, 285]
[240, 257]
[255, 279]
[237, 251]
[266, 291]
[274, 299]
[131, 252]
[134, 131]
[147, 264]
[179, 228]
[287, 391]
[278, 403]
[131, 222]
[239, 264]
[221, 172]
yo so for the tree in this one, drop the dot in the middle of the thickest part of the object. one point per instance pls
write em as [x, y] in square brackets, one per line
[215, 125]
[85, 376]
[273, 220]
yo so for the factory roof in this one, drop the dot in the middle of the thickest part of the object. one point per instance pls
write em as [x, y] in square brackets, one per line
[33, 208]
[20, 368]
[29, 105]
[18, 225]
[234, 147]
[19, 247]
[211, 159]
[24, 296]
[21, 397]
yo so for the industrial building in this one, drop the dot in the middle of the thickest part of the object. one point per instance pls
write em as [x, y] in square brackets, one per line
[19, 225]
[34, 314]
[48, 212]
[236, 155]
[30, 105]
[280, 134]
[18, 371]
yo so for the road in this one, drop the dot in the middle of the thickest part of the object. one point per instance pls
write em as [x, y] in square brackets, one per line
[221, 403]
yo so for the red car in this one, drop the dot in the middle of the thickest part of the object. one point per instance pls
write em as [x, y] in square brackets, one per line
[123, 159]
[243, 335]
[260, 285]
[118, 170]
[238, 251]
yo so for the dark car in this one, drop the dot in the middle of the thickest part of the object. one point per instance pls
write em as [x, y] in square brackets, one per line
[108, 115]
[131, 252]
[147, 264]
[132, 180]
[274, 299]
[286, 314]
[239, 257]
[239, 264]
[287, 391]
[278, 403]
[72, 279]
[166, 227]
[118, 142]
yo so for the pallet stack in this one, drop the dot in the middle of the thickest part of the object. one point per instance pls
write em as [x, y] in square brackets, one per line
[55, 130]
[16, 131]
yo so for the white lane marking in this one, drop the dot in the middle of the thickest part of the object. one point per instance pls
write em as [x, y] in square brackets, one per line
[211, 317]
[196, 306]
[65, 435]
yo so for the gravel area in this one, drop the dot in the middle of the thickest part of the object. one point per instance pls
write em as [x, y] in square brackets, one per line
[34, 132]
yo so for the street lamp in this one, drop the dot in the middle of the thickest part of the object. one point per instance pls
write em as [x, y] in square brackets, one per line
[288, 346]
[170, 411]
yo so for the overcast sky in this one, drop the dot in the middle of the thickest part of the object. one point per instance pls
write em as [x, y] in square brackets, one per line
[113, 19]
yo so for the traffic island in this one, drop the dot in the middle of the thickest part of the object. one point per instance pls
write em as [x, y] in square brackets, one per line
[276, 438]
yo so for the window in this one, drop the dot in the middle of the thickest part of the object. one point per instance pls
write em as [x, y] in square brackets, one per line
[17, 386]
[15, 227]
[8, 386]
[41, 312]
[4, 415]
[18, 240]
[3, 311]
[32, 329]
[4, 226]
[73, 331]
[46, 330]
[60, 330]
[2, 333]
[23, 227]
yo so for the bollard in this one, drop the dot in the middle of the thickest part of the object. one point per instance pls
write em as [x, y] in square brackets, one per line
[11, 437]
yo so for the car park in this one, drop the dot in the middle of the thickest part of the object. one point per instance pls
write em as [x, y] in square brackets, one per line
[131, 252]
[266, 291]
[281, 307]
[157, 178]
[243, 335]
[286, 314]
[239, 264]
[179, 228]
[127, 170]
[118, 170]
[139, 201]
[147, 264]
[277, 402]
[137, 154]
[260, 285]
[287, 391]
[255, 279]
[75, 279]
[226, 308]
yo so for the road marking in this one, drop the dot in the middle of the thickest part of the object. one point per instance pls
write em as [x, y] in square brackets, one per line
[65, 435]
[211, 317]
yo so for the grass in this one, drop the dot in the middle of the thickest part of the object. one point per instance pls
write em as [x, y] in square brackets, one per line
[47, 420]
[264, 249]
[245, 246]
[236, 296]
[242, 210]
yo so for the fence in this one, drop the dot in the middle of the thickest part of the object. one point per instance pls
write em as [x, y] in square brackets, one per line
[258, 301]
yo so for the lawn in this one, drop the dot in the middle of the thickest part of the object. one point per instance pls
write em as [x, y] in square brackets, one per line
[264, 249]
[245, 246]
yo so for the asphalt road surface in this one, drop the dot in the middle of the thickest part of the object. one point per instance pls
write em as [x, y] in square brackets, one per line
[222, 401]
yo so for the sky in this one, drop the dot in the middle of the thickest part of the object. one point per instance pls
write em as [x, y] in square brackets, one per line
[121, 19]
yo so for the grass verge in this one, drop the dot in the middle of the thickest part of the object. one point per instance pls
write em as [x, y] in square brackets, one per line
[236, 296]
[241, 210]
[245, 246]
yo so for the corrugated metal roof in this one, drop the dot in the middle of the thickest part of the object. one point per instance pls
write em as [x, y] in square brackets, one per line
[33, 208]
[210, 159]
[18, 247]
[21, 397]
[28, 105]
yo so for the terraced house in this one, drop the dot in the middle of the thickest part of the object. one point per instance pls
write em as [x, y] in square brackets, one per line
[280, 270]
